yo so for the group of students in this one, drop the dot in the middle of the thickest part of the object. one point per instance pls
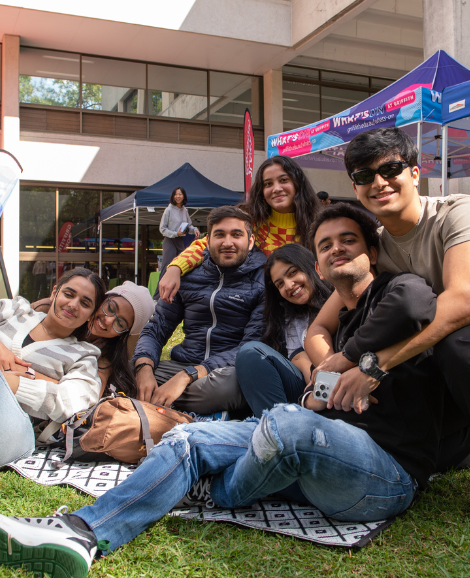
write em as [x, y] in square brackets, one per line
[386, 307]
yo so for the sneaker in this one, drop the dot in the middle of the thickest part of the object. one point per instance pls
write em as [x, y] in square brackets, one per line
[218, 416]
[198, 495]
[52, 544]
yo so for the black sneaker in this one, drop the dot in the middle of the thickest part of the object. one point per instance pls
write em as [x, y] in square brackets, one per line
[53, 545]
[198, 495]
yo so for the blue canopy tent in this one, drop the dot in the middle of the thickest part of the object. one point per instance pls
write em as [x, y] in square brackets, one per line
[413, 102]
[455, 133]
[147, 205]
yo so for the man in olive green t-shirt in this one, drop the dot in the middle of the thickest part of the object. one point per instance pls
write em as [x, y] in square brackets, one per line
[422, 235]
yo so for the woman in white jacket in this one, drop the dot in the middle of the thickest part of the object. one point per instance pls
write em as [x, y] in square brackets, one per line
[47, 371]
[174, 225]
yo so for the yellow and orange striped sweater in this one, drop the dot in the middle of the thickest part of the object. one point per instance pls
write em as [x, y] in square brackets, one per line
[280, 230]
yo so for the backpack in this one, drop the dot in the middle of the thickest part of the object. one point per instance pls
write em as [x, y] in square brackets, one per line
[118, 427]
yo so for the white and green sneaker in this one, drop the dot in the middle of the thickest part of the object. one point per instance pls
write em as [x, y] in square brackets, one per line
[52, 545]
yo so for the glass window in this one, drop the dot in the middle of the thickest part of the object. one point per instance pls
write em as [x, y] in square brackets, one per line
[336, 100]
[231, 94]
[110, 198]
[177, 92]
[78, 219]
[113, 85]
[301, 104]
[119, 240]
[340, 77]
[48, 77]
[37, 219]
[67, 266]
[37, 279]
[301, 72]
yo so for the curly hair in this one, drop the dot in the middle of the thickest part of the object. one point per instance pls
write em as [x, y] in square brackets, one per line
[306, 203]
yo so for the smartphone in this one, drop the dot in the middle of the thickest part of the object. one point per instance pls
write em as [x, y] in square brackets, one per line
[325, 382]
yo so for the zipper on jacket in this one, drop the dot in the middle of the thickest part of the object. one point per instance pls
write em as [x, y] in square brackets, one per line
[214, 318]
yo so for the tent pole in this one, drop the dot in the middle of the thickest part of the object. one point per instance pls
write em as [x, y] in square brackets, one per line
[445, 180]
[136, 265]
[100, 255]
[419, 144]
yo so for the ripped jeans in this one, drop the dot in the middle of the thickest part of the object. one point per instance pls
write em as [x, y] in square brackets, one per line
[338, 467]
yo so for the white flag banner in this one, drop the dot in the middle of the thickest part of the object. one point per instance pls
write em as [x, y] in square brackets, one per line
[10, 171]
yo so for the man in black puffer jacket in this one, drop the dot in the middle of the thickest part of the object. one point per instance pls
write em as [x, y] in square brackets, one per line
[221, 306]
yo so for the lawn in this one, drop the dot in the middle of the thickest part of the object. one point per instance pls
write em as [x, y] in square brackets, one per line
[432, 539]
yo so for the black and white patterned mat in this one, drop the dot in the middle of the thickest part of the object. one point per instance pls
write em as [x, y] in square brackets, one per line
[269, 514]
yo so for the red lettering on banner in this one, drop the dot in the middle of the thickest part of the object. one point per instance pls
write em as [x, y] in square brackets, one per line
[320, 128]
[402, 101]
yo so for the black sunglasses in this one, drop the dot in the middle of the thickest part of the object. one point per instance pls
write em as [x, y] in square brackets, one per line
[386, 171]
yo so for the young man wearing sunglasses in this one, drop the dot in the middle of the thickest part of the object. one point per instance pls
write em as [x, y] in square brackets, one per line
[428, 236]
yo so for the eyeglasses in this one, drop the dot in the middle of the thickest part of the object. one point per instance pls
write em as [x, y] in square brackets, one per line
[109, 309]
[386, 171]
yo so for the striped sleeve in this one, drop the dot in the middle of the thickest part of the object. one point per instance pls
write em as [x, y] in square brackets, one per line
[191, 257]
[78, 389]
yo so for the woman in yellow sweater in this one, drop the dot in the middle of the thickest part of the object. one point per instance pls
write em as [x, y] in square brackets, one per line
[283, 205]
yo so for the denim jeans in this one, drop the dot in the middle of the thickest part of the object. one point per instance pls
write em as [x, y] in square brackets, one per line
[266, 377]
[17, 433]
[339, 468]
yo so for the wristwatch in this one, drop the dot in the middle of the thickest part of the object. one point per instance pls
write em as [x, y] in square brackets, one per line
[368, 365]
[192, 372]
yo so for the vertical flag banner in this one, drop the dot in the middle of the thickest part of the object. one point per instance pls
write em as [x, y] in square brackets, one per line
[248, 152]
[10, 170]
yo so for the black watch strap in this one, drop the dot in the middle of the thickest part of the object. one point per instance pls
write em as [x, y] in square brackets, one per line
[192, 372]
[368, 364]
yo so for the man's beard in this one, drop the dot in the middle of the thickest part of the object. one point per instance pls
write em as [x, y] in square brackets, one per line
[240, 258]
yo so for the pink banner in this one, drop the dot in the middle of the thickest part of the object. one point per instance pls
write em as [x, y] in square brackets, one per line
[249, 152]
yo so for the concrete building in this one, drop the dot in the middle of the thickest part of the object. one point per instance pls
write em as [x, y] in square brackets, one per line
[99, 99]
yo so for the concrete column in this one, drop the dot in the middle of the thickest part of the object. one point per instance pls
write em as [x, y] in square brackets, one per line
[10, 119]
[273, 115]
[445, 27]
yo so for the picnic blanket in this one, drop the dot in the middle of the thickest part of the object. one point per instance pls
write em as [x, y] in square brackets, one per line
[270, 514]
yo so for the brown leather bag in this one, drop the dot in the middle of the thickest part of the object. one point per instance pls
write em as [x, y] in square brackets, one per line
[120, 427]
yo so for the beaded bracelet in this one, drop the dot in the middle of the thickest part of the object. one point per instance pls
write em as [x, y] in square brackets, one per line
[137, 368]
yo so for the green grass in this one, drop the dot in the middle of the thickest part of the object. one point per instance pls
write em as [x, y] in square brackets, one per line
[432, 539]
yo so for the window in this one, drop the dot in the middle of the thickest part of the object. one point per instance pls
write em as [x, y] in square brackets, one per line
[232, 94]
[37, 219]
[78, 220]
[177, 93]
[309, 95]
[114, 85]
[49, 78]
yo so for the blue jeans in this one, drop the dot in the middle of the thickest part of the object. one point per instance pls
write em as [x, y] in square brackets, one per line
[17, 433]
[266, 377]
[339, 468]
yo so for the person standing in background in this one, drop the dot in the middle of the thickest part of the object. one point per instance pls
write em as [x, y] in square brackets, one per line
[174, 225]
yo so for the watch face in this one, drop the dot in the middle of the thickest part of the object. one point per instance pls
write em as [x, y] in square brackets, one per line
[367, 362]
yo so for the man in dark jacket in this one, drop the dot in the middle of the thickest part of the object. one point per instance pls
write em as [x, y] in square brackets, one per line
[221, 305]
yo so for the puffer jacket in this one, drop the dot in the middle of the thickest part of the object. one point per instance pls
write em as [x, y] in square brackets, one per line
[221, 309]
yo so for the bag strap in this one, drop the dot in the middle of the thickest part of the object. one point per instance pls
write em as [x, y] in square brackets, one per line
[71, 426]
[146, 437]
[51, 428]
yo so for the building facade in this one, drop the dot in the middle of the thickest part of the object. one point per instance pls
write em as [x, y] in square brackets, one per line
[97, 102]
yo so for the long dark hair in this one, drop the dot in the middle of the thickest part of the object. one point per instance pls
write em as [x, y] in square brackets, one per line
[172, 196]
[306, 203]
[278, 312]
[82, 332]
[114, 354]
